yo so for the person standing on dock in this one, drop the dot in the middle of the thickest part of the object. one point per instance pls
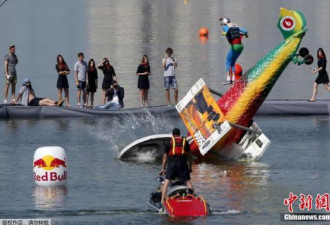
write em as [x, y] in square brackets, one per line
[234, 35]
[323, 77]
[92, 81]
[62, 80]
[170, 64]
[109, 76]
[10, 74]
[80, 69]
[143, 71]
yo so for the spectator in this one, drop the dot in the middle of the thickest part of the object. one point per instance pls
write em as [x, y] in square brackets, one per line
[115, 97]
[322, 78]
[80, 69]
[143, 71]
[109, 76]
[23, 93]
[10, 74]
[92, 81]
[169, 64]
[62, 80]
[29, 98]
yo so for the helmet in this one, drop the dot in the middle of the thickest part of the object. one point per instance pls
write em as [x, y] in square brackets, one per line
[224, 21]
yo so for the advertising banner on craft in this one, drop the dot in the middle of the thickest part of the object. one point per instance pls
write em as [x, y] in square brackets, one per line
[202, 116]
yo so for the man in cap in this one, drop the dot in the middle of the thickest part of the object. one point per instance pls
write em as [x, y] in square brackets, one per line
[178, 158]
[10, 74]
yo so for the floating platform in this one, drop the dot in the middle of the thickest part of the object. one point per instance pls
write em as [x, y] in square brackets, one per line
[270, 107]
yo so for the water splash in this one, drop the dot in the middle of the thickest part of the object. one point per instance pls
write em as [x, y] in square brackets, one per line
[121, 130]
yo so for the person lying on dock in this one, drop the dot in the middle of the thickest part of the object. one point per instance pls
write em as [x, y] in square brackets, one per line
[115, 97]
[178, 158]
[29, 99]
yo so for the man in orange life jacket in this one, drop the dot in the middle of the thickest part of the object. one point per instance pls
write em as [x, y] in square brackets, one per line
[178, 158]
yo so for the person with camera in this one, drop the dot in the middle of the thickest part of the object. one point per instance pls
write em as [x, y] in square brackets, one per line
[109, 76]
[169, 64]
[80, 69]
[115, 97]
[10, 74]
[177, 156]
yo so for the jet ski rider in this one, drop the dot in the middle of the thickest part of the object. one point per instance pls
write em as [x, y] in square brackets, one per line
[178, 158]
[234, 35]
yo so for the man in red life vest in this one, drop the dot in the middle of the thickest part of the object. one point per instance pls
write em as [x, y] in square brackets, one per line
[178, 158]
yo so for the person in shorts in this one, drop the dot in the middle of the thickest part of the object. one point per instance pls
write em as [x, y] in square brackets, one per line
[10, 74]
[29, 99]
[177, 156]
[170, 64]
[80, 69]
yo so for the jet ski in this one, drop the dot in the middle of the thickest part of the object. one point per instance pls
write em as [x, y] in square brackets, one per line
[180, 201]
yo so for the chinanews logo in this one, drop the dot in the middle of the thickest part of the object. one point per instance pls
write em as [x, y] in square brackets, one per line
[288, 23]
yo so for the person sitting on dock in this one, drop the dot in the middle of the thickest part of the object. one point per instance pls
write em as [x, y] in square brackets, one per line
[178, 158]
[29, 99]
[115, 97]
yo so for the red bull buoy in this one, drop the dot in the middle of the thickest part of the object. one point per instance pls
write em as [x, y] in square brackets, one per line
[50, 166]
[203, 32]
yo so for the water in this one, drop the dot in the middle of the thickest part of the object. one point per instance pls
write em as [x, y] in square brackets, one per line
[125, 30]
[104, 189]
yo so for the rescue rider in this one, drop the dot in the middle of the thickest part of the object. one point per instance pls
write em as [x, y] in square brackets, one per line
[178, 158]
[234, 35]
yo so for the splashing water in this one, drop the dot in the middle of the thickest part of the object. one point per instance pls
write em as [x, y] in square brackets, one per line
[121, 130]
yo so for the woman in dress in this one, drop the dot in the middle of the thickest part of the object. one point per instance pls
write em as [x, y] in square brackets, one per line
[322, 78]
[62, 80]
[92, 81]
[109, 76]
[143, 71]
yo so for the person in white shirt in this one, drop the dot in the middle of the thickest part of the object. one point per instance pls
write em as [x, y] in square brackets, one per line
[170, 64]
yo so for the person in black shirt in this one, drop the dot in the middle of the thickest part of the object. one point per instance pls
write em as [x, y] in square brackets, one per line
[178, 158]
[322, 78]
[109, 76]
[92, 81]
[143, 71]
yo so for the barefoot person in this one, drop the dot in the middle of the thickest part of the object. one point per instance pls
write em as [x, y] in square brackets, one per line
[170, 64]
[62, 80]
[28, 96]
[178, 158]
[143, 71]
[10, 74]
[322, 77]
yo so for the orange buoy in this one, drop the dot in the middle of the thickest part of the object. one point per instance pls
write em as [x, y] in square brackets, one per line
[238, 71]
[203, 31]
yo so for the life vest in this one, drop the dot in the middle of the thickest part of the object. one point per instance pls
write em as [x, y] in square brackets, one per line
[233, 35]
[177, 146]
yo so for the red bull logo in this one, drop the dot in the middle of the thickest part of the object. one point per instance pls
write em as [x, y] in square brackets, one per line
[50, 176]
[49, 162]
[50, 166]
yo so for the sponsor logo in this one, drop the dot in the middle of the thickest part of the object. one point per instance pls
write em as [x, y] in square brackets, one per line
[49, 162]
[288, 23]
[50, 176]
[259, 143]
